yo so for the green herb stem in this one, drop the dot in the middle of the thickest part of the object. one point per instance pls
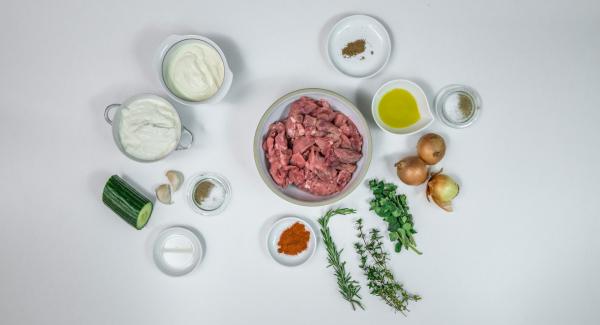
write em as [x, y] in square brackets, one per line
[380, 279]
[348, 287]
[393, 208]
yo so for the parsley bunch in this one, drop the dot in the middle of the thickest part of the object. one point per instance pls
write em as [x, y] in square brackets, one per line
[394, 210]
[380, 280]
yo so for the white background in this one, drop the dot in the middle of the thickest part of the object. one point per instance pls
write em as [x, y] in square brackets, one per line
[521, 248]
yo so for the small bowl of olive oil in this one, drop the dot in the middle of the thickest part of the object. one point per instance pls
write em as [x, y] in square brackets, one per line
[401, 107]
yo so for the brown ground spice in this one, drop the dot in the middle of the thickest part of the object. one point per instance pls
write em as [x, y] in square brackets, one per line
[294, 240]
[354, 48]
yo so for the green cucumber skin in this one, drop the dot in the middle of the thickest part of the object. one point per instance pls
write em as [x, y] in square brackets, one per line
[124, 200]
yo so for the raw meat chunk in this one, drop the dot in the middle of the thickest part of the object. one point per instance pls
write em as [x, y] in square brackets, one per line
[301, 144]
[314, 148]
[298, 160]
[346, 155]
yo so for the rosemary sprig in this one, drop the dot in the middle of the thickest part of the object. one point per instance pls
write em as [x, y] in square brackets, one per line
[348, 287]
[380, 279]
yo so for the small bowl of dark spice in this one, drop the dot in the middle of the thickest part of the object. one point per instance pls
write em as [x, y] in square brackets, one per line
[291, 241]
[359, 46]
[458, 106]
[209, 193]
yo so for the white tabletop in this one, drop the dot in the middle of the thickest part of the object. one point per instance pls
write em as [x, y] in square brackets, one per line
[522, 246]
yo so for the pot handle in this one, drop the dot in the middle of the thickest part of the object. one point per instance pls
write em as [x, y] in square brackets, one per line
[107, 111]
[191, 136]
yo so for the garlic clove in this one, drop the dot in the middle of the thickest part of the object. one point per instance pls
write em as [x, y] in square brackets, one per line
[175, 179]
[163, 194]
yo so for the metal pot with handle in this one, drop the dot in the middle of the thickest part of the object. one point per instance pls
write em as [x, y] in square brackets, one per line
[151, 135]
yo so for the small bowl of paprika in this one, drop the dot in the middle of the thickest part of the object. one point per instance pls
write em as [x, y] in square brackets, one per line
[291, 241]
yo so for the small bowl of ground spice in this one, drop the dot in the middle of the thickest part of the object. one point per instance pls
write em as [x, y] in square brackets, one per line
[208, 193]
[359, 46]
[291, 241]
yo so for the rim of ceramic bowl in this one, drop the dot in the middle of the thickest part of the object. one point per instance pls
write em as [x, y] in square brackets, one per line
[266, 177]
[422, 93]
[313, 236]
[388, 38]
[117, 120]
[173, 40]
[192, 234]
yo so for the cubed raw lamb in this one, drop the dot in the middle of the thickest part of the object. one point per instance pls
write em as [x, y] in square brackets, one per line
[314, 148]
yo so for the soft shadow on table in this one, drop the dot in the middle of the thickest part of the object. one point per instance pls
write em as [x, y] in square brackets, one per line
[146, 47]
[141, 189]
[236, 64]
[186, 115]
[324, 34]
[97, 179]
[363, 99]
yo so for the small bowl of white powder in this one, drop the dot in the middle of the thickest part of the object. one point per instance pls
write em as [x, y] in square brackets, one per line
[458, 106]
[177, 250]
[193, 70]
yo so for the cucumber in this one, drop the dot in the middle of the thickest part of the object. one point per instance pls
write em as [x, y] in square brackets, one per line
[131, 205]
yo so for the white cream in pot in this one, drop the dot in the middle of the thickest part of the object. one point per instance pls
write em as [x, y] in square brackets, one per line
[149, 128]
[193, 70]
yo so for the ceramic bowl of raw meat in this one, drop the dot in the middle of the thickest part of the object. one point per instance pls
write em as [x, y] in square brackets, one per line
[278, 111]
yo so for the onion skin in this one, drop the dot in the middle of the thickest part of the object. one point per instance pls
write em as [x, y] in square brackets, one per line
[412, 170]
[431, 148]
[442, 189]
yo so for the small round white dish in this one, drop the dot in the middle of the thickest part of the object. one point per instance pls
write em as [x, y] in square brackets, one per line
[173, 40]
[422, 104]
[177, 251]
[378, 46]
[273, 238]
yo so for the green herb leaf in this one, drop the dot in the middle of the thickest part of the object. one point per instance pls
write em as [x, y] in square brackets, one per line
[393, 208]
[348, 287]
[380, 279]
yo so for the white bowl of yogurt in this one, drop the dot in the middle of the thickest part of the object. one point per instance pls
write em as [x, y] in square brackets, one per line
[193, 70]
[147, 128]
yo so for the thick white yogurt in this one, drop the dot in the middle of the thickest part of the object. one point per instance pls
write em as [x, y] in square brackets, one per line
[193, 70]
[149, 128]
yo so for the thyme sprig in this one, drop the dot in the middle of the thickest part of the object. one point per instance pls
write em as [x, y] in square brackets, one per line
[380, 279]
[348, 287]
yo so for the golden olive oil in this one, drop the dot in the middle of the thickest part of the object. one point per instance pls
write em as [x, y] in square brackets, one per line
[398, 109]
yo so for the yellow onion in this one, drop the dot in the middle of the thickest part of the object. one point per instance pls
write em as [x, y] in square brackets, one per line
[442, 189]
[431, 148]
[412, 170]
